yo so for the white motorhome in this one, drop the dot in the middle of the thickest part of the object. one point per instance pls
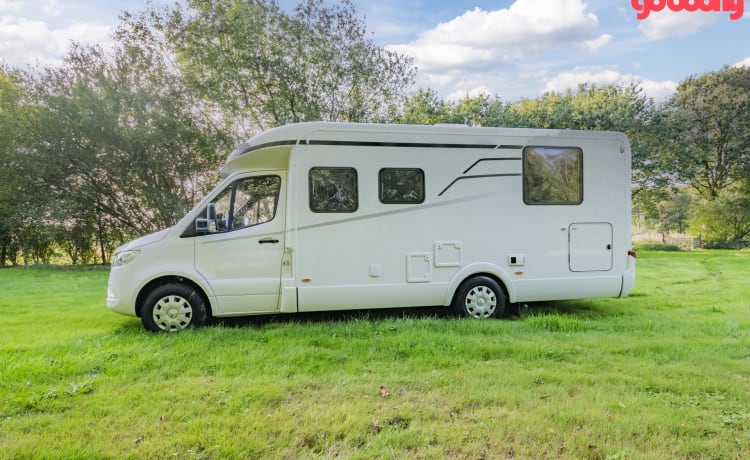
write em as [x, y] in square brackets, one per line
[339, 216]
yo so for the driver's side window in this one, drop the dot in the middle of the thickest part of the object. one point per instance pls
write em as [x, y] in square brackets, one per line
[223, 203]
[255, 201]
[245, 203]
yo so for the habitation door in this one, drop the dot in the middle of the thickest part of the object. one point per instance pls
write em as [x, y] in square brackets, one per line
[241, 259]
[590, 246]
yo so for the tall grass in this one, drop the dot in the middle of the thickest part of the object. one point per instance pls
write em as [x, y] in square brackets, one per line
[661, 374]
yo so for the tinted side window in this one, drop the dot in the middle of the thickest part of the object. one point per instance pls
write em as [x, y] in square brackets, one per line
[553, 175]
[333, 189]
[401, 185]
[255, 200]
[244, 203]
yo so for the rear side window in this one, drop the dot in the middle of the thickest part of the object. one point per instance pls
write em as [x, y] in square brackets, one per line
[553, 175]
[401, 185]
[333, 189]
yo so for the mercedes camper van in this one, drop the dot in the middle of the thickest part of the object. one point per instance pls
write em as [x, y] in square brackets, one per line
[340, 216]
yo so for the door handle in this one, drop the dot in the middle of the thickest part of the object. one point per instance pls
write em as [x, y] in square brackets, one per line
[609, 246]
[268, 241]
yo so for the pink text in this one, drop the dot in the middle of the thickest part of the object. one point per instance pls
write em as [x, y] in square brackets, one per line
[645, 7]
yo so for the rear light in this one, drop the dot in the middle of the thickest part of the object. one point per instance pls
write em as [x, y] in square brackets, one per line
[631, 253]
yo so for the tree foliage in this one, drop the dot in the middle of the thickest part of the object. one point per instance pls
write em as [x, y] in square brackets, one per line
[724, 221]
[709, 117]
[115, 151]
[13, 127]
[263, 67]
[674, 211]
[118, 146]
[613, 108]
[426, 108]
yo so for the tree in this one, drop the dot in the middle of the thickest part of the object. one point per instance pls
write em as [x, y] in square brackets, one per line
[674, 212]
[480, 110]
[424, 108]
[263, 67]
[611, 108]
[710, 118]
[15, 126]
[118, 147]
[724, 221]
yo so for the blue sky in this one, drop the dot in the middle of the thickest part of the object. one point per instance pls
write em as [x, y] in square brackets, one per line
[509, 48]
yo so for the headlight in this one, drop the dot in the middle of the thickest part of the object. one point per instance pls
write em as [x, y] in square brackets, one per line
[124, 258]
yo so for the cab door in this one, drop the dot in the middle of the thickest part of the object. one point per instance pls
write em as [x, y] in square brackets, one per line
[240, 255]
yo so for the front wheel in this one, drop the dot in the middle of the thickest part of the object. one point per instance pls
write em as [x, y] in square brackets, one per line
[172, 308]
[480, 297]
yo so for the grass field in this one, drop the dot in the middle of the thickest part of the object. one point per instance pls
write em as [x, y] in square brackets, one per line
[662, 374]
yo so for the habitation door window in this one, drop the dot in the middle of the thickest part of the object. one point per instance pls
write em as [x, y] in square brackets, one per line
[553, 175]
[401, 185]
[333, 189]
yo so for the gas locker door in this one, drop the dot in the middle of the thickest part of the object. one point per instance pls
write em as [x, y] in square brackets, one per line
[590, 246]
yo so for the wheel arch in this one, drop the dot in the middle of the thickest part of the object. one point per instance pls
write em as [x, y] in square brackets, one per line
[167, 279]
[480, 269]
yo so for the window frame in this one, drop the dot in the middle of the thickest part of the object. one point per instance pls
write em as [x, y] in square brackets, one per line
[552, 202]
[230, 189]
[402, 201]
[337, 210]
[233, 211]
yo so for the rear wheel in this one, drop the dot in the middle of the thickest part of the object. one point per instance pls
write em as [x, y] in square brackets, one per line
[173, 307]
[480, 297]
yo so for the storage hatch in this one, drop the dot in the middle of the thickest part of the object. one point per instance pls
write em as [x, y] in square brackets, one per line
[590, 246]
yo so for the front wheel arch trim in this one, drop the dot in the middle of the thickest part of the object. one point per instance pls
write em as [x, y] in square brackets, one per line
[162, 280]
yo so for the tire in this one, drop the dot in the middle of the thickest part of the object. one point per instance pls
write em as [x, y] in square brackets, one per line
[172, 308]
[480, 297]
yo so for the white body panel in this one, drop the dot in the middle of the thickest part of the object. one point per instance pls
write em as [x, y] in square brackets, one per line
[473, 219]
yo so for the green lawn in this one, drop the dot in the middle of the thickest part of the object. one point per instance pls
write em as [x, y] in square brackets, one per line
[662, 374]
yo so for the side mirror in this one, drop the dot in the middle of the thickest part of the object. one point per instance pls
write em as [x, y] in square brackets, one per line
[207, 224]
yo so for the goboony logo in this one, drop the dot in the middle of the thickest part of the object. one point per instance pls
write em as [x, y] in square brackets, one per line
[736, 8]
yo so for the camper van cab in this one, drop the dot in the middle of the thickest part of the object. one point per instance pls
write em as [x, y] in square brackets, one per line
[341, 216]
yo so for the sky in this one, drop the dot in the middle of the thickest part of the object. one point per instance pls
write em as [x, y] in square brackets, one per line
[512, 49]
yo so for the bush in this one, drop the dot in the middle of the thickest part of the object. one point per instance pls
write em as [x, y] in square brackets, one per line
[651, 246]
[724, 222]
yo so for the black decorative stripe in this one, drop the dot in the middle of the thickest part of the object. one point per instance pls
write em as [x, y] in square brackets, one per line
[252, 148]
[476, 177]
[488, 159]
[403, 144]
[433, 145]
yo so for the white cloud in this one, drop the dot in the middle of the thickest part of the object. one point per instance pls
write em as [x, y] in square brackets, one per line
[658, 90]
[52, 8]
[571, 80]
[668, 23]
[11, 5]
[25, 41]
[597, 43]
[481, 39]
[743, 63]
